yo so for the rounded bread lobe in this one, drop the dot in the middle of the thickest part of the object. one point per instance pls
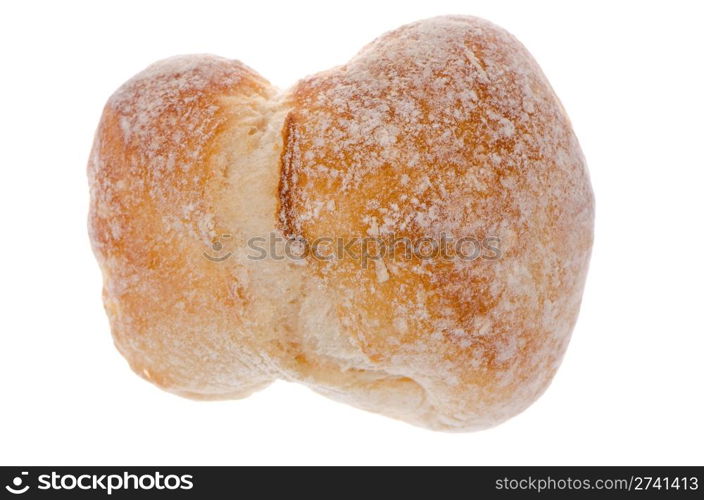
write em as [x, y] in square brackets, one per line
[444, 128]
[175, 315]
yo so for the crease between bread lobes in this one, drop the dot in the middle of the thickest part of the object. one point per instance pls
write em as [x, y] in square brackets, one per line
[443, 126]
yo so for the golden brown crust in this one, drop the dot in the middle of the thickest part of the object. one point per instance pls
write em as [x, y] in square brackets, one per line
[445, 128]
[174, 314]
[289, 154]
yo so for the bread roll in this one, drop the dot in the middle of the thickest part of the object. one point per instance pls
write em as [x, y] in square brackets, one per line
[213, 195]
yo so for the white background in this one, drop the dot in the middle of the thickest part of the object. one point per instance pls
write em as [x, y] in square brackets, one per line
[630, 388]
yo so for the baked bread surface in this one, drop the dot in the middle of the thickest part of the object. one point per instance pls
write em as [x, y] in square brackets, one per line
[440, 130]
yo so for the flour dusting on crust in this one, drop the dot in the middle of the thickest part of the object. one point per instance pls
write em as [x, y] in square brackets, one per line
[446, 127]
[442, 129]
